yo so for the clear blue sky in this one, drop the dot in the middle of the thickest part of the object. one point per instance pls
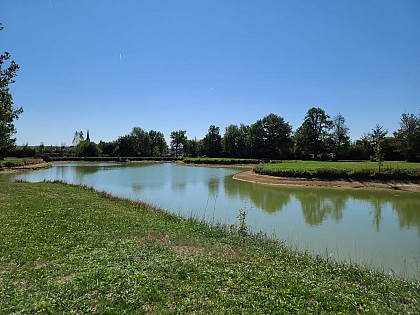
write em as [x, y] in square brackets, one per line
[109, 65]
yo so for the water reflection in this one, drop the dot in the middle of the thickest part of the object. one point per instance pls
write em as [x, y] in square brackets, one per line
[408, 213]
[213, 186]
[319, 204]
[268, 198]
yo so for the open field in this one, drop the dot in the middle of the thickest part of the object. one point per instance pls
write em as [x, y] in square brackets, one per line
[357, 170]
[68, 249]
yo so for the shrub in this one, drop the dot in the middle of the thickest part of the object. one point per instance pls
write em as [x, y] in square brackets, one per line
[9, 164]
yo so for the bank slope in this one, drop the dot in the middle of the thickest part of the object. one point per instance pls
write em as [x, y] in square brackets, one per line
[69, 249]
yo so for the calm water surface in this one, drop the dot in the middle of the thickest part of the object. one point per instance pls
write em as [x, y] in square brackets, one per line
[374, 227]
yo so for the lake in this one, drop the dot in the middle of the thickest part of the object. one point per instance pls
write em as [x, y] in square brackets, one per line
[378, 228]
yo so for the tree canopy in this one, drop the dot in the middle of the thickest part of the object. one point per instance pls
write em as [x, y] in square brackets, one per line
[8, 113]
[408, 137]
[312, 134]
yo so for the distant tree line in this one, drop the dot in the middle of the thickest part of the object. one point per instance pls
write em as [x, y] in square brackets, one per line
[319, 137]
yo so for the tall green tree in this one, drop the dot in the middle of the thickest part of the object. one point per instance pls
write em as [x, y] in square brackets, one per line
[8, 113]
[192, 147]
[244, 141]
[277, 137]
[339, 136]
[408, 137]
[256, 140]
[231, 140]
[158, 145]
[271, 138]
[141, 141]
[125, 146]
[374, 140]
[212, 142]
[178, 140]
[311, 136]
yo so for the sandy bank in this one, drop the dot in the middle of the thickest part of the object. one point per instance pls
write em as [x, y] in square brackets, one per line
[405, 185]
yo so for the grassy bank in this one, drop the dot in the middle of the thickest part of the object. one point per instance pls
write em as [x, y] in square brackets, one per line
[15, 162]
[67, 249]
[354, 170]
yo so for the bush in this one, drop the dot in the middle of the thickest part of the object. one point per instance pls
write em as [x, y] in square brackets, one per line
[9, 164]
[46, 158]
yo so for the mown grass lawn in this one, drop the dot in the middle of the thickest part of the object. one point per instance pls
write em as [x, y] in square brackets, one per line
[389, 169]
[70, 250]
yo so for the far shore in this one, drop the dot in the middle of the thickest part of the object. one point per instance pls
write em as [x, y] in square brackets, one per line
[250, 176]
[404, 185]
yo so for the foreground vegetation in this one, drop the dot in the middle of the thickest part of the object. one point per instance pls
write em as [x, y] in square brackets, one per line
[354, 170]
[68, 249]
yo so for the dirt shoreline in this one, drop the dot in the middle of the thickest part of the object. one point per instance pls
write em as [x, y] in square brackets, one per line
[29, 167]
[405, 185]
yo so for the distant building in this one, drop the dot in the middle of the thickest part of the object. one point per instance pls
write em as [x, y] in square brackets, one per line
[87, 136]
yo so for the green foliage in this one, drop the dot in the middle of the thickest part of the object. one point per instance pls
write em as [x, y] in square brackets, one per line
[178, 140]
[17, 161]
[193, 148]
[271, 138]
[141, 142]
[339, 137]
[23, 152]
[8, 113]
[242, 225]
[408, 137]
[311, 136]
[70, 250]
[379, 155]
[372, 139]
[108, 148]
[212, 142]
[89, 149]
[158, 146]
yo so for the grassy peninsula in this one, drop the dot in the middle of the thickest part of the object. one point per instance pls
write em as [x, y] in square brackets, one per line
[67, 249]
[354, 170]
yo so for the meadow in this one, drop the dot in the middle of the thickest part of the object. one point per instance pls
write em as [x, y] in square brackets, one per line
[71, 250]
[355, 170]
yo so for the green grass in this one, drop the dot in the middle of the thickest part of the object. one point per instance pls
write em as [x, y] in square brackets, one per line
[199, 160]
[70, 250]
[358, 170]
[13, 162]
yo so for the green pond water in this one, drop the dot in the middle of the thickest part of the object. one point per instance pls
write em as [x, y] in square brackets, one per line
[378, 228]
